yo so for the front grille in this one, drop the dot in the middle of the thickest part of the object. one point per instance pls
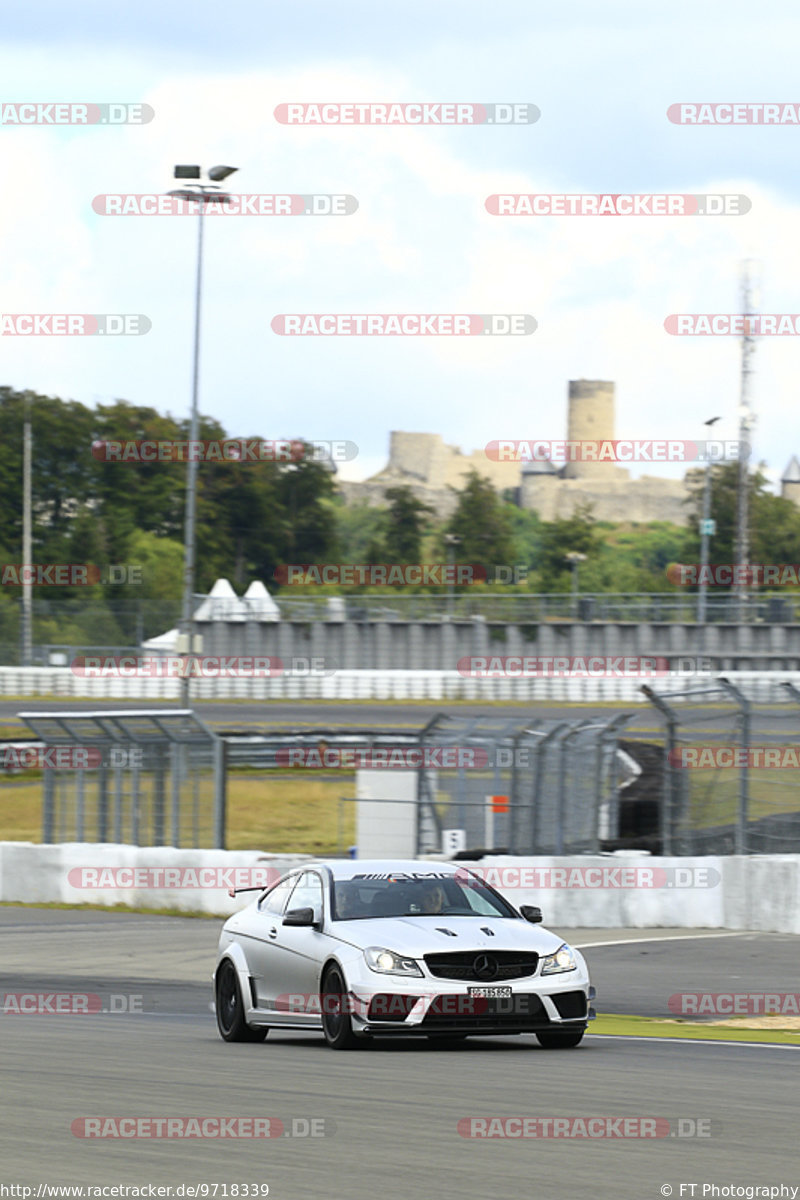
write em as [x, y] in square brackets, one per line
[570, 1004]
[471, 965]
[520, 1012]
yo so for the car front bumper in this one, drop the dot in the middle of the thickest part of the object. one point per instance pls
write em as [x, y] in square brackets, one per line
[391, 1005]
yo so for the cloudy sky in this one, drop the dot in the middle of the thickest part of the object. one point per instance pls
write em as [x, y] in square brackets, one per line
[603, 77]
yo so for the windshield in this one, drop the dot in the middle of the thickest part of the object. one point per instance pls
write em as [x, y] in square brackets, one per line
[367, 896]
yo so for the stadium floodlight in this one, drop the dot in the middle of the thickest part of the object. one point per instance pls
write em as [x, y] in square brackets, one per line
[203, 194]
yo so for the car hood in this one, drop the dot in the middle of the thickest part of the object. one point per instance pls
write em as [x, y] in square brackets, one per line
[417, 936]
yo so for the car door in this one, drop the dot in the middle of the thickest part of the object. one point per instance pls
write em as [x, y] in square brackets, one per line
[263, 955]
[301, 949]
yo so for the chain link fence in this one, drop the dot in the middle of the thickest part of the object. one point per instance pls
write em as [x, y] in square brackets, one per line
[731, 767]
[149, 778]
[516, 787]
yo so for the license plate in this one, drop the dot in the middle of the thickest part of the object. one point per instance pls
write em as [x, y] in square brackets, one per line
[490, 993]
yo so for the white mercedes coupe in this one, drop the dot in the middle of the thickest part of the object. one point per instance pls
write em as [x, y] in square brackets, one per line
[364, 950]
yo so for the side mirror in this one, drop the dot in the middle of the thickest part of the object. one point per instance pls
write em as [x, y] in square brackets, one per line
[531, 913]
[299, 916]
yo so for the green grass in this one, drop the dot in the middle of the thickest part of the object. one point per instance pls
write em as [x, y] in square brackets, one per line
[276, 814]
[619, 1026]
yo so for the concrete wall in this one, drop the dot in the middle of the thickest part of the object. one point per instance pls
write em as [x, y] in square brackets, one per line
[106, 874]
[439, 645]
[626, 891]
[760, 893]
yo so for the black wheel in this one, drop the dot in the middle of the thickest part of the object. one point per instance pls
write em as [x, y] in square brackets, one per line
[230, 1010]
[560, 1039]
[336, 1023]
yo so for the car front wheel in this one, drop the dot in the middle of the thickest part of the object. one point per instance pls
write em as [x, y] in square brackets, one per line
[560, 1039]
[336, 1021]
[230, 1010]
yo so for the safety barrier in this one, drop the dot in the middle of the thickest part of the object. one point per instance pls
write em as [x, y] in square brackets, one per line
[371, 685]
[612, 891]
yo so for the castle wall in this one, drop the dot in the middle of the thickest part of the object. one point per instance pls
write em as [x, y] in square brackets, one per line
[431, 468]
[426, 458]
[640, 500]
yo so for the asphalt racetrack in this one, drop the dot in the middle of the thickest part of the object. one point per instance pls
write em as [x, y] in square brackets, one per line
[392, 1111]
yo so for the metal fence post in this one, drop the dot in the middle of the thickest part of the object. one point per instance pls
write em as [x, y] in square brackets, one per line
[220, 792]
[562, 781]
[744, 773]
[48, 808]
[541, 759]
[668, 806]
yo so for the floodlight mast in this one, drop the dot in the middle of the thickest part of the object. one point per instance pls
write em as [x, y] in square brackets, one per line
[747, 422]
[203, 194]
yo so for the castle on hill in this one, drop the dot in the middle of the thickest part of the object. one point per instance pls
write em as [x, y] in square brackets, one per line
[424, 463]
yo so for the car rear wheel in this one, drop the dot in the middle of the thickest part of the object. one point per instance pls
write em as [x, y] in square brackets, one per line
[560, 1039]
[336, 1021]
[230, 1010]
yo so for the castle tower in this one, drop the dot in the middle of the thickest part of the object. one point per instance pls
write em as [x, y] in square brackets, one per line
[590, 419]
[790, 483]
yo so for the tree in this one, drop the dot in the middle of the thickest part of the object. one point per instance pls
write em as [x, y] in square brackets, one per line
[482, 524]
[404, 526]
[558, 538]
[774, 523]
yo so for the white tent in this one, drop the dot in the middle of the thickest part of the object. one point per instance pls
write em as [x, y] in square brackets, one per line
[222, 604]
[260, 604]
[166, 643]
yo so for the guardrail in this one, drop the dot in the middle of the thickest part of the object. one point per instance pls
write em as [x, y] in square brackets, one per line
[533, 607]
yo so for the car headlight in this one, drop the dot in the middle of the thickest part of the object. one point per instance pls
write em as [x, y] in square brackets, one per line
[386, 962]
[562, 960]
